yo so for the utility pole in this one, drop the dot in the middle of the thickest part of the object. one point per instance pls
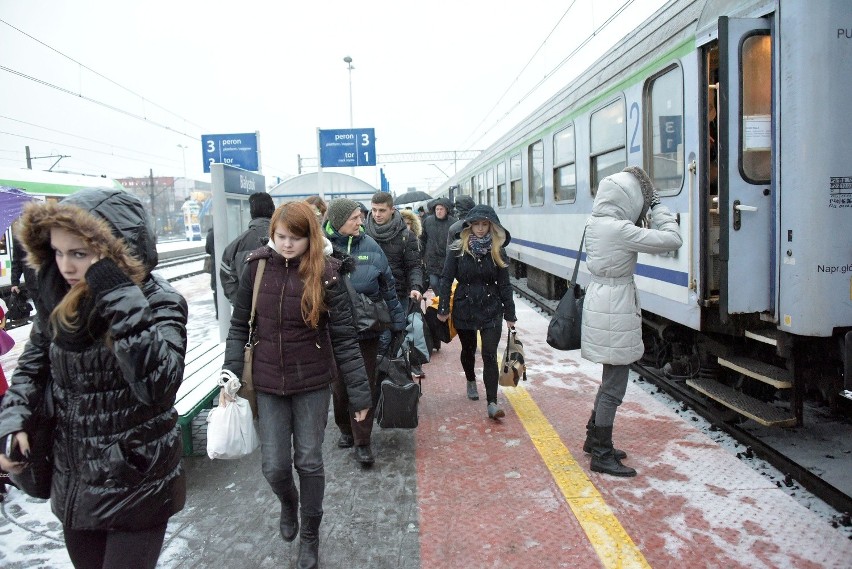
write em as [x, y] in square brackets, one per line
[29, 159]
[151, 187]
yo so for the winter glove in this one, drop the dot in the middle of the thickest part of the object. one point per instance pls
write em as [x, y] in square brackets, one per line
[105, 276]
[655, 200]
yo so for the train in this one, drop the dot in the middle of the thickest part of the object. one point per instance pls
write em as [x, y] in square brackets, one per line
[738, 110]
[45, 186]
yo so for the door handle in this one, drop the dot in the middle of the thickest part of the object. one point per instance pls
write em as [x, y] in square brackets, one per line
[738, 207]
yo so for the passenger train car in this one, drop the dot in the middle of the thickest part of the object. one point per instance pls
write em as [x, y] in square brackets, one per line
[739, 112]
[43, 186]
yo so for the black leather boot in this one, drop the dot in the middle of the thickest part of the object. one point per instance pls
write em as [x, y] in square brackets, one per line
[289, 523]
[590, 439]
[603, 457]
[309, 542]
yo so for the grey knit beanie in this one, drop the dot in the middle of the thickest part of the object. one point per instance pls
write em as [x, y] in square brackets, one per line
[645, 184]
[339, 211]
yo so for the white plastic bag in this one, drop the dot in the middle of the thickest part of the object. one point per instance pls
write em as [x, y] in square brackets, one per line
[230, 428]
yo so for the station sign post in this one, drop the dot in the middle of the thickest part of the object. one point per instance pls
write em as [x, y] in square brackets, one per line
[347, 147]
[238, 150]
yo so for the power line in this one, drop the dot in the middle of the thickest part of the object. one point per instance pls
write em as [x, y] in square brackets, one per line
[555, 69]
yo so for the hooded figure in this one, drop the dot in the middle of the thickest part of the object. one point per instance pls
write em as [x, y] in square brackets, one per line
[612, 316]
[463, 205]
[482, 298]
[434, 240]
[109, 342]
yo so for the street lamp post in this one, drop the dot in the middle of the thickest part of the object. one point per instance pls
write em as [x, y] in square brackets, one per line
[348, 61]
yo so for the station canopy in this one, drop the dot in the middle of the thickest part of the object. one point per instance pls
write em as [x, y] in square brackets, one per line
[336, 185]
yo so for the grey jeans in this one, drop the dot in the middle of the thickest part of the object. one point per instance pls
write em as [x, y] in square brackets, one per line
[610, 393]
[292, 430]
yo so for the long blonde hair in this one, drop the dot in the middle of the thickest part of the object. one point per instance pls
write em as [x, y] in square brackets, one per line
[300, 220]
[498, 237]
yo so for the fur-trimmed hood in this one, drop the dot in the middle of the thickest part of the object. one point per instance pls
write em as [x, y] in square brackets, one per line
[112, 223]
[414, 219]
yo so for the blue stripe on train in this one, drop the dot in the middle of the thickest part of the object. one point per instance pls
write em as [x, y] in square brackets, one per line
[657, 273]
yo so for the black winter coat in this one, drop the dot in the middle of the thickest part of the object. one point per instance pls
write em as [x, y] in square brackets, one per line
[117, 449]
[291, 357]
[435, 240]
[372, 275]
[483, 296]
[402, 249]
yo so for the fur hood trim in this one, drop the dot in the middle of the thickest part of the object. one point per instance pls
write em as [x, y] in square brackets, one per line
[38, 219]
[416, 225]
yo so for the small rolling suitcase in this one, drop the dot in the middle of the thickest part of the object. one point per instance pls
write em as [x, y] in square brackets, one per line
[398, 394]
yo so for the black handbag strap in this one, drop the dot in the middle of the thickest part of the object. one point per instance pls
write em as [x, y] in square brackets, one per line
[579, 256]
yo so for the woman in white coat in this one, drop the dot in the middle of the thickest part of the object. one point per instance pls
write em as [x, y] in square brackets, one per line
[612, 317]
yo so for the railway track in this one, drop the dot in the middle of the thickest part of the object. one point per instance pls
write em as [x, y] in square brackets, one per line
[721, 420]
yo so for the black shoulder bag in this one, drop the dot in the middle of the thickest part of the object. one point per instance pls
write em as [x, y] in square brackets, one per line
[565, 328]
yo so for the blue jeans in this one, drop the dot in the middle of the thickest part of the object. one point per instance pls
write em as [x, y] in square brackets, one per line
[292, 429]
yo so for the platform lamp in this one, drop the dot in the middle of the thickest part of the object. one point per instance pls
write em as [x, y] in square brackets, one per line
[348, 61]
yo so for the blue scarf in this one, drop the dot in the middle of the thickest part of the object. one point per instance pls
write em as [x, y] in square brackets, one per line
[479, 246]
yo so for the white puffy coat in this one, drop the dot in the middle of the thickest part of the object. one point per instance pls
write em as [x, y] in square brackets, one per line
[612, 316]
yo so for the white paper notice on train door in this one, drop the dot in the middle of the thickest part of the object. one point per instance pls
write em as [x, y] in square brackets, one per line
[757, 132]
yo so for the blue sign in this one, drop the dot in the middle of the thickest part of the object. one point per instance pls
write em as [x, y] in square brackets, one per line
[243, 182]
[239, 150]
[347, 147]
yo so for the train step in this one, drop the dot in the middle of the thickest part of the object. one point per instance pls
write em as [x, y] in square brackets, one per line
[754, 409]
[773, 375]
[766, 335]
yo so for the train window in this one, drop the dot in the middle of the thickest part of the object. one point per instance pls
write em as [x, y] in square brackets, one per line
[4, 250]
[609, 151]
[489, 186]
[480, 187]
[501, 184]
[516, 182]
[756, 99]
[535, 159]
[664, 134]
[564, 166]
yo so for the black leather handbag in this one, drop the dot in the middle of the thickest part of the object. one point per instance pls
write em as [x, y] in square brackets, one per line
[565, 329]
[399, 395]
[36, 479]
[370, 315]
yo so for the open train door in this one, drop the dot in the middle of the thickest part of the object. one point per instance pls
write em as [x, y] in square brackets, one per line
[746, 204]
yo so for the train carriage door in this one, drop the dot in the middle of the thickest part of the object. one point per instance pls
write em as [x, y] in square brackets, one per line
[746, 210]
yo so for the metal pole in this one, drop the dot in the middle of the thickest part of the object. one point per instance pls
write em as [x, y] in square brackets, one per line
[348, 61]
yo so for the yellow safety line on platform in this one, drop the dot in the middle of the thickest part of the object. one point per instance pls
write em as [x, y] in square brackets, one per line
[607, 536]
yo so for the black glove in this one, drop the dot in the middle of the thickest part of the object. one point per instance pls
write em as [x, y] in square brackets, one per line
[105, 276]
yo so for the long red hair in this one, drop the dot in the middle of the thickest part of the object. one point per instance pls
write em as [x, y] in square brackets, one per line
[299, 219]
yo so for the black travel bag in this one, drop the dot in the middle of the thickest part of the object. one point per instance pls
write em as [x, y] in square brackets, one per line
[399, 395]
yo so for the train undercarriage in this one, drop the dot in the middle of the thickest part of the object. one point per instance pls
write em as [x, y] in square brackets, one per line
[744, 365]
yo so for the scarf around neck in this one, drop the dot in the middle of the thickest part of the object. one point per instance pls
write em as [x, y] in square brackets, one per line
[479, 246]
[387, 231]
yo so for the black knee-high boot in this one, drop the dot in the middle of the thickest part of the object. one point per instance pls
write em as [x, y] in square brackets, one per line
[590, 439]
[603, 457]
[309, 542]
[289, 498]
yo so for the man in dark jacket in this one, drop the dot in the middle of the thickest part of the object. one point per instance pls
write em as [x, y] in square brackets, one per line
[402, 248]
[386, 226]
[210, 249]
[436, 229]
[21, 269]
[261, 208]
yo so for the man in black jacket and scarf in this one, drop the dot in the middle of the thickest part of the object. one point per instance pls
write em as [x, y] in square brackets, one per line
[401, 247]
[434, 241]
[261, 208]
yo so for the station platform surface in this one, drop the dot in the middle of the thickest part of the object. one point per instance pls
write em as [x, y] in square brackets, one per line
[464, 491]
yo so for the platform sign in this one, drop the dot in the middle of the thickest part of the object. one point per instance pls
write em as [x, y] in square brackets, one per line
[238, 150]
[347, 147]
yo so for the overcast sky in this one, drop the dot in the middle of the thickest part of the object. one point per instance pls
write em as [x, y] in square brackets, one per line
[118, 85]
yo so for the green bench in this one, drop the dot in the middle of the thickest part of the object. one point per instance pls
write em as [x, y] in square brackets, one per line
[199, 388]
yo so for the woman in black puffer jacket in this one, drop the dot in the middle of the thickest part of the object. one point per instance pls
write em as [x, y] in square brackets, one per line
[111, 338]
[303, 325]
[482, 298]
